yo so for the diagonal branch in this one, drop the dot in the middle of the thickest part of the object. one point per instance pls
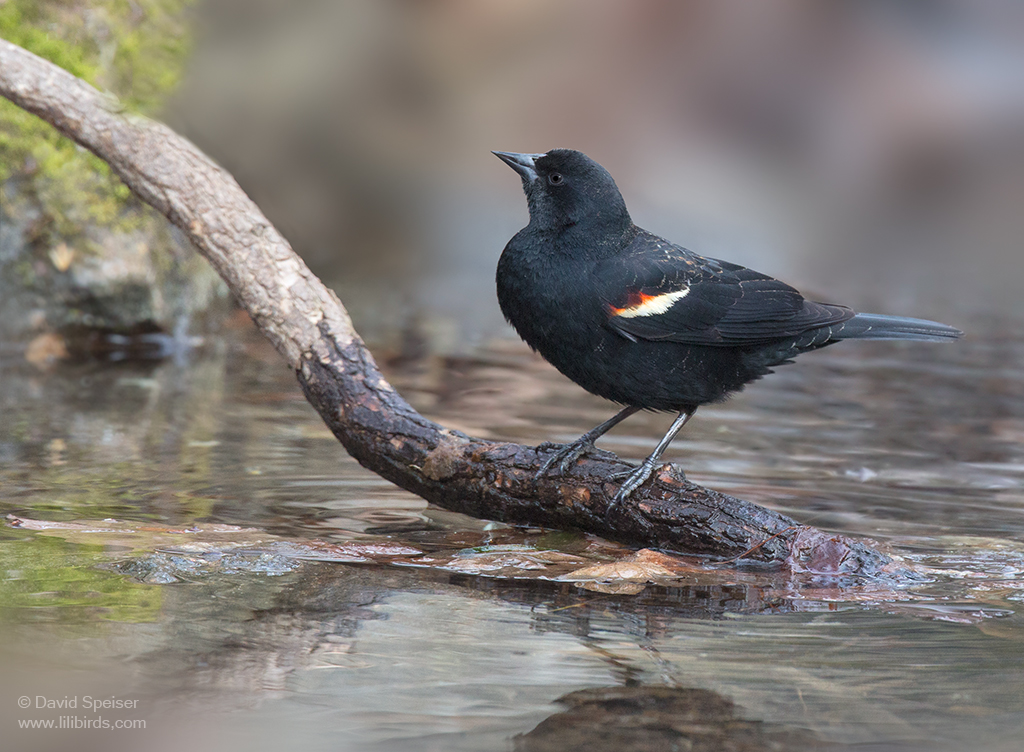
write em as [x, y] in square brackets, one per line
[311, 329]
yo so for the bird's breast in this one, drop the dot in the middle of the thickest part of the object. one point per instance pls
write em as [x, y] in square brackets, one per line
[550, 305]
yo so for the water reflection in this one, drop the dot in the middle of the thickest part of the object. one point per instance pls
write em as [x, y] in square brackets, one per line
[656, 719]
[900, 444]
[391, 659]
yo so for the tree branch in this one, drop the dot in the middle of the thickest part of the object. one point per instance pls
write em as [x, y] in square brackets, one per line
[311, 329]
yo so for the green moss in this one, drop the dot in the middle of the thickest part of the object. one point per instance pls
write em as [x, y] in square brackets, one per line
[134, 49]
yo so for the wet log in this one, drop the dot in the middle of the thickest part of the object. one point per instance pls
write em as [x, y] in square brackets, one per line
[313, 333]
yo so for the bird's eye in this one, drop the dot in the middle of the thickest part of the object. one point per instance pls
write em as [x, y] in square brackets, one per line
[555, 178]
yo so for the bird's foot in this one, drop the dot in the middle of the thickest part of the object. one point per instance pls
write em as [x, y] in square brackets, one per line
[633, 479]
[567, 455]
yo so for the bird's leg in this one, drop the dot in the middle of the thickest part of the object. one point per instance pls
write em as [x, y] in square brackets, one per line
[640, 475]
[567, 454]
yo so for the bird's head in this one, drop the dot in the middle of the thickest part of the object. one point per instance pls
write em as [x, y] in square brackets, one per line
[566, 188]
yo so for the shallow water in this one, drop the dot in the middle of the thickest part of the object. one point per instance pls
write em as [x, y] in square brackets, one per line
[915, 445]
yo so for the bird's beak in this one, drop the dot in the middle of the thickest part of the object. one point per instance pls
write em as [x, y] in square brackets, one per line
[524, 164]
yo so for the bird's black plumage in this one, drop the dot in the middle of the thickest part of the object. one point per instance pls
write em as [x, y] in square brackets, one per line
[642, 321]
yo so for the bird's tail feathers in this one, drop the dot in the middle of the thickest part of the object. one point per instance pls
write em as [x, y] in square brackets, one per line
[877, 326]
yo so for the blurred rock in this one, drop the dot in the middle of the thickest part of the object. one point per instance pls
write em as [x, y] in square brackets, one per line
[45, 350]
[123, 282]
[80, 258]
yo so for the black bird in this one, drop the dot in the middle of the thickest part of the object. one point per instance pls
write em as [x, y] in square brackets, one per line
[644, 322]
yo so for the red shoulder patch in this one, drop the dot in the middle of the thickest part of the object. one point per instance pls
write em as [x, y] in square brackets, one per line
[641, 304]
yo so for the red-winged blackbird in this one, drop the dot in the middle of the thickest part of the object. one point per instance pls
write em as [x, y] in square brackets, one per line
[643, 322]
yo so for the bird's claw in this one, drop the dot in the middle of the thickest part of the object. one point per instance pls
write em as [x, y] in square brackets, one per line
[568, 454]
[634, 478]
[565, 457]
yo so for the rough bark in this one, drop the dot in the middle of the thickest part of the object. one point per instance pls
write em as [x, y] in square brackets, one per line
[311, 329]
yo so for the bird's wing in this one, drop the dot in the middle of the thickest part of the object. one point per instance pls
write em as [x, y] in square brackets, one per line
[662, 292]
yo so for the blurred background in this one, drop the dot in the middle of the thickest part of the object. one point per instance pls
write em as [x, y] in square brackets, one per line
[870, 153]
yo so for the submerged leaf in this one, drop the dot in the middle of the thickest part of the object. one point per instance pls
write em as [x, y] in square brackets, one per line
[643, 566]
